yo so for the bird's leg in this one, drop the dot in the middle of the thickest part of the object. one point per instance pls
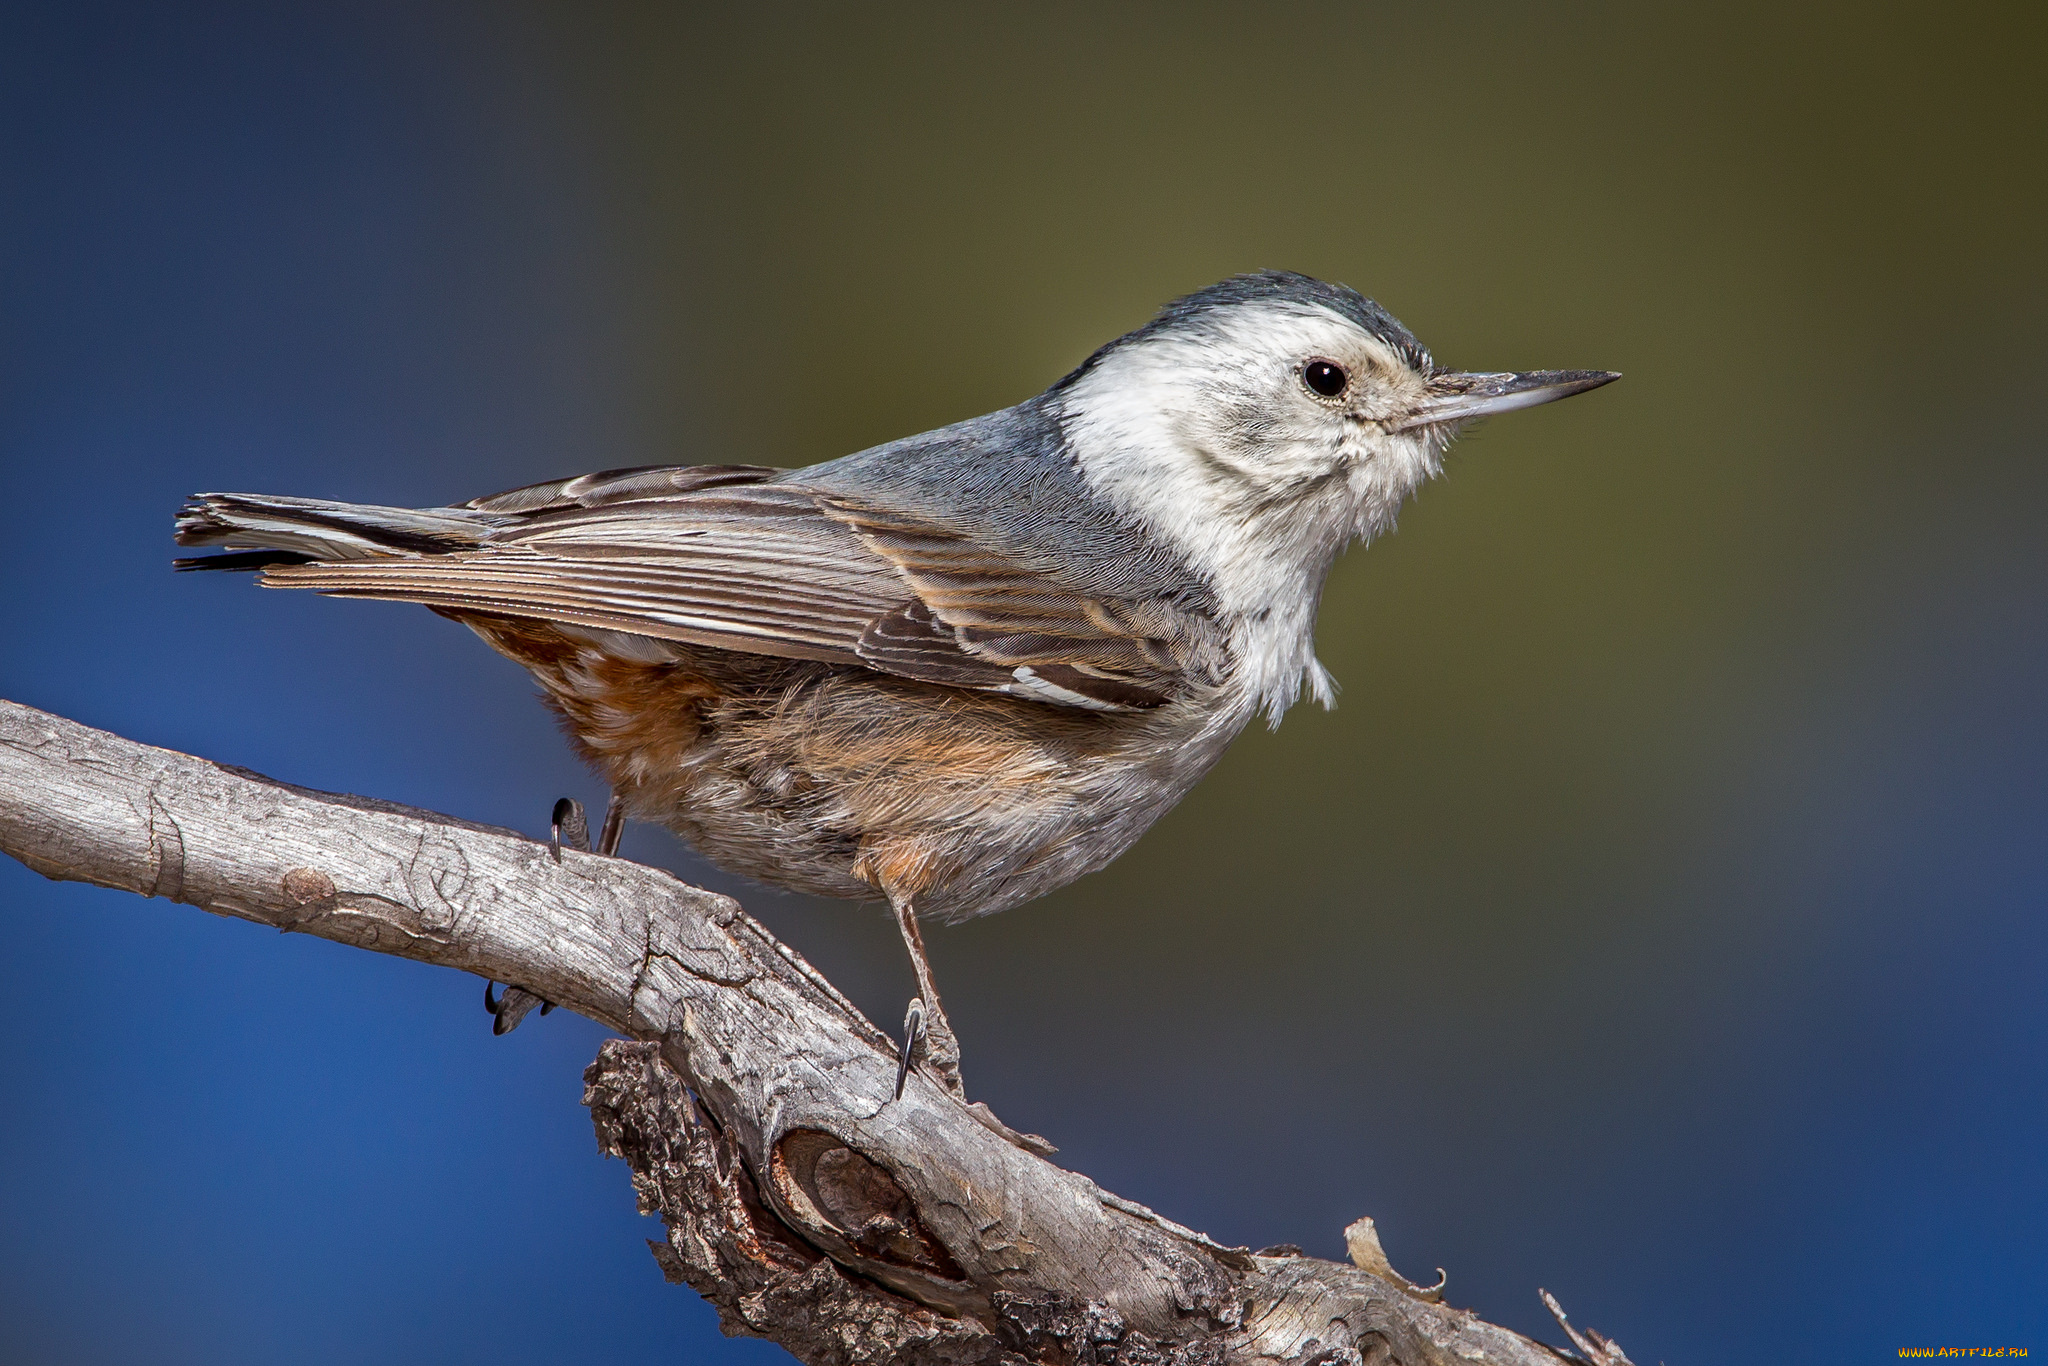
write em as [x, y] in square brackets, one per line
[614, 827]
[927, 1025]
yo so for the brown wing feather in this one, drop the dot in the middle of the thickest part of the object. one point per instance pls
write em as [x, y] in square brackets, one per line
[1111, 652]
[911, 642]
[715, 556]
[621, 485]
[746, 568]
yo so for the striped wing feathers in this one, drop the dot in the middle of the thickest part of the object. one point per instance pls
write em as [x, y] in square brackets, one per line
[619, 486]
[1063, 645]
[713, 556]
[758, 571]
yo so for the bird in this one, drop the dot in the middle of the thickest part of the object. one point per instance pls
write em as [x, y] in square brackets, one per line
[959, 670]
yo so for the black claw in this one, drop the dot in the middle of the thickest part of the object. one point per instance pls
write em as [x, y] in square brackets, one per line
[913, 1030]
[512, 1007]
[568, 822]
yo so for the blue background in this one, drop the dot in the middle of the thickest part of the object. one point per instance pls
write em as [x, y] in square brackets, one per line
[1659, 918]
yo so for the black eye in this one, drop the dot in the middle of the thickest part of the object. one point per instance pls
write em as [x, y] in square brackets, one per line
[1325, 377]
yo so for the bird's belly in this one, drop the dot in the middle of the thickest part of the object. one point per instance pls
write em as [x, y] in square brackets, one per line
[841, 782]
[854, 784]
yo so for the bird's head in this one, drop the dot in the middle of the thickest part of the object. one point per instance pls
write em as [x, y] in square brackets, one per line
[1260, 426]
[1265, 422]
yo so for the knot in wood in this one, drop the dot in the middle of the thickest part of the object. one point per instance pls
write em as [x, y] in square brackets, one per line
[832, 1189]
[304, 886]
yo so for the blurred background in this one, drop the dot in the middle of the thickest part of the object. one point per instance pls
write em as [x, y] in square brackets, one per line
[1658, 919]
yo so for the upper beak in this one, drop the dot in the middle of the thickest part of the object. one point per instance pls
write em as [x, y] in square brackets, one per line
[1458, 397]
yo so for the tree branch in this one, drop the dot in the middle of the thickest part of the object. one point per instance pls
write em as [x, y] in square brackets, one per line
[755, 1109]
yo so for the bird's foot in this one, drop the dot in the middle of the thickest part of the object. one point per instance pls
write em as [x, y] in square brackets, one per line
[614, 828]
[913, 1035]
[568, 825]
[941, 1054]
[508, 1010]
[929, 1042]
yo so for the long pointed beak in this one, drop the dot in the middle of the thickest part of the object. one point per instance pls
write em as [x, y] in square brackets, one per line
[1460, 397]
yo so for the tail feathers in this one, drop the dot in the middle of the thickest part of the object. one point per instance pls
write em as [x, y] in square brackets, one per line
[277, 530]
[242, 559]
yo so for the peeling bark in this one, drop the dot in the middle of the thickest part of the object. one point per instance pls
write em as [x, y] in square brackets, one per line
[750, 1100]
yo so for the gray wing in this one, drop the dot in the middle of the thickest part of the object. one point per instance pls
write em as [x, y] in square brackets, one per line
[715, 556]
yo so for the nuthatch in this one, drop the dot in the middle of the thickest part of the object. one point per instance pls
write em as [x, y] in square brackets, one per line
[961, 669]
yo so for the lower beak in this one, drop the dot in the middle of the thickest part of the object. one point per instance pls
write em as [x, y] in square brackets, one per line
[1460, 397]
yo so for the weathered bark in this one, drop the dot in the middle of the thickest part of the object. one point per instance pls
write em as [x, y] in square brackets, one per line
[755, 1111]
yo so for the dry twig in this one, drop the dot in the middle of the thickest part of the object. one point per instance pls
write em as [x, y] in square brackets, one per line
[753, 1106]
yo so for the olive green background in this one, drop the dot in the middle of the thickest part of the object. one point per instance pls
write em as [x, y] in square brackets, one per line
[1657, 918]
